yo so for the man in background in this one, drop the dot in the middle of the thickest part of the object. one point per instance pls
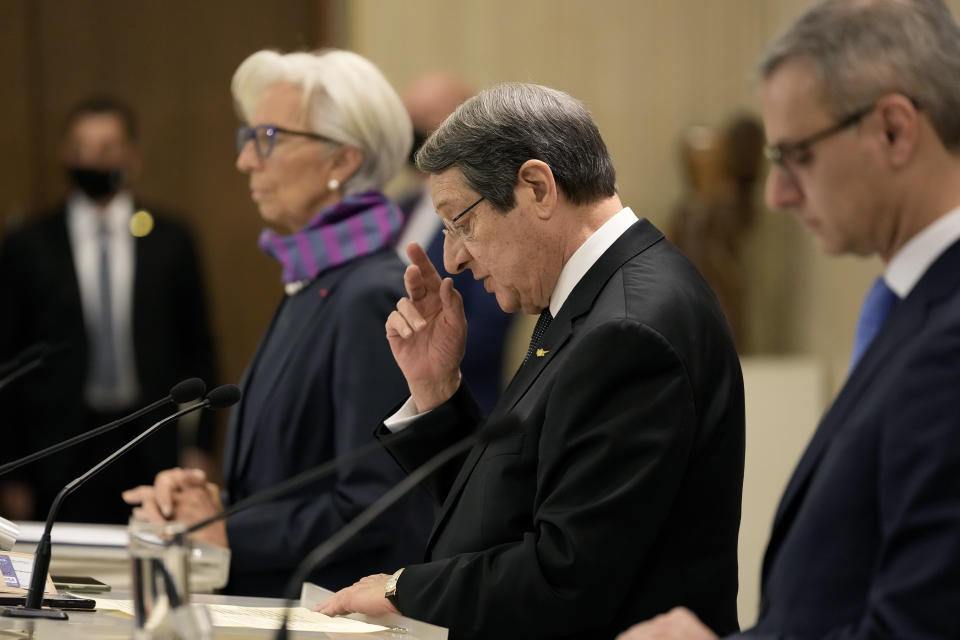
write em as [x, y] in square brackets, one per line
[861, 107]
[429, 100]
[118, 287]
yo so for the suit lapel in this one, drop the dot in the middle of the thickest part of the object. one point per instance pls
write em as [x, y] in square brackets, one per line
[62, 251]
[233, 445]
[528, 372]
[905, 321]
[634, 241]
[143, 256]
[291, 343]
[639, 237]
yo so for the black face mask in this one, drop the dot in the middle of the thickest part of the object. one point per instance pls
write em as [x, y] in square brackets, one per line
[96, 183]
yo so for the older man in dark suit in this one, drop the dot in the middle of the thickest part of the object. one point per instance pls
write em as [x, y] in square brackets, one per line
[862, 109]
[619, 495]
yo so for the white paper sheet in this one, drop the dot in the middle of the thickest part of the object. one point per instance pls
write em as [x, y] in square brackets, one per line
[224, 615]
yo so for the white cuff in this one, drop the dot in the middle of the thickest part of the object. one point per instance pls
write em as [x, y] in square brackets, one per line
[404, 417]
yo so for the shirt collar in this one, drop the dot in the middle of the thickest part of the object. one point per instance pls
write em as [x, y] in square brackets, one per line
[86, 213]
[587, 254]
[914, 258]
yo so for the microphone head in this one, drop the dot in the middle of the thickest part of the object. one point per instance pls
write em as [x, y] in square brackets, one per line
[494, 430]
[225, 395]
[187, 390]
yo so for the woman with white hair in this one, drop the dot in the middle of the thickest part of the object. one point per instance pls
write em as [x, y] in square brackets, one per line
[323, 132]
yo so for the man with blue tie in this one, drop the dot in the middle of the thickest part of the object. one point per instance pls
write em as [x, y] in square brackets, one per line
[861, 104]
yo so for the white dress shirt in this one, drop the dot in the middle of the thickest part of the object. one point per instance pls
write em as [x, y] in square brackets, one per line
[83, 220]
[914, 258]
[422, 225]
[573, 271]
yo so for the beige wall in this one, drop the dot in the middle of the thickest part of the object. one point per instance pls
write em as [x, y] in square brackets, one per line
[646, 69]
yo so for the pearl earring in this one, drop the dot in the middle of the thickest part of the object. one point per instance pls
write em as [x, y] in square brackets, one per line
[333, 184]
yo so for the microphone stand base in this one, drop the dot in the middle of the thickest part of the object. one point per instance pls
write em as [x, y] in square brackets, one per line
[23, 612]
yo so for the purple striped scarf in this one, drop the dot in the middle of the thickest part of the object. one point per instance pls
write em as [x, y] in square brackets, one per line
[358, 225]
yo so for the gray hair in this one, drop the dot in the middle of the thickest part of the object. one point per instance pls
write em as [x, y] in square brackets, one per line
[493, 133]
[863, 50]
[344, 98]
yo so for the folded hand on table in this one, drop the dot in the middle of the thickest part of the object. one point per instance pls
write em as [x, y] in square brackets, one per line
[181, 495]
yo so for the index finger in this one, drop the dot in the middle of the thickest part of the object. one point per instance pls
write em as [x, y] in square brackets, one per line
[418, 257]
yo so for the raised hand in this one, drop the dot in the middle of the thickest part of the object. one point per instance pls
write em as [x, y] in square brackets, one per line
[428, 332]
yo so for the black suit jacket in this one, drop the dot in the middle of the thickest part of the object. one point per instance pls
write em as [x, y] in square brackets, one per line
[866, 540]
[619, 497]
[323, 373]
[40, 301]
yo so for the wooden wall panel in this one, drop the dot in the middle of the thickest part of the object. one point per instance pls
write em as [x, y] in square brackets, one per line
[19, 161]
[172, 60]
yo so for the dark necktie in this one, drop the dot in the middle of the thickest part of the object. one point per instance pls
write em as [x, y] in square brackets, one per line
[880, 301]
[104, 356]
[543, 322]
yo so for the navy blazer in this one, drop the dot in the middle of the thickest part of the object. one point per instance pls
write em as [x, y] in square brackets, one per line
[323, 373]
[619, 496]
[866, 540]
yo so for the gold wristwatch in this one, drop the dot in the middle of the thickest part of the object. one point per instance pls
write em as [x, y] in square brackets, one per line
[390, 592]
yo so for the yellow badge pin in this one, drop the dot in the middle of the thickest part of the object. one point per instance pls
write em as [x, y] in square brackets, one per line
[141, 224]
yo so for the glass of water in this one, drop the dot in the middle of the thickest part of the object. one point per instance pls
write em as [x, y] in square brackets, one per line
[160, 579]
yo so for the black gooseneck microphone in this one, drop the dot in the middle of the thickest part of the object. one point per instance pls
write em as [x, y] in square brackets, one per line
[25, 355]
[221, 397]
[33, 357]
[185, 391]
[488, 433]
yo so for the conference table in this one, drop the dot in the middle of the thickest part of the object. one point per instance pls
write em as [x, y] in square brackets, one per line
[99, 551]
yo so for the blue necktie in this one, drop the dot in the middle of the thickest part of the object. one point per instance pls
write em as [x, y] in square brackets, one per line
[879, 303]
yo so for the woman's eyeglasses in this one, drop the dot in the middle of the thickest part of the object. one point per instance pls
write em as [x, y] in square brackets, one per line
[264, 137]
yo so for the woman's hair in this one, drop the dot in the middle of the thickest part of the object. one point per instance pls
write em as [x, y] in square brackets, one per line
[344, 98]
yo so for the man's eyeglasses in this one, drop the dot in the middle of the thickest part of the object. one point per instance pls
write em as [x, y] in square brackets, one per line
[457, 230]
[264, 137]
[786, 154]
